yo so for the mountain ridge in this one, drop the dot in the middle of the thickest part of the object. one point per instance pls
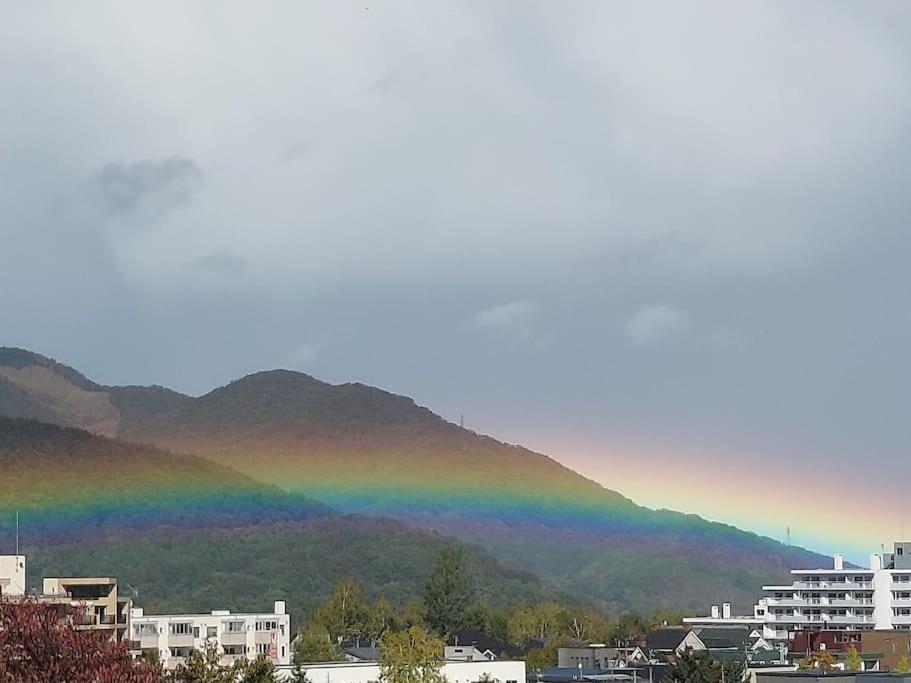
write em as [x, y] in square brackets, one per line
[364, 450]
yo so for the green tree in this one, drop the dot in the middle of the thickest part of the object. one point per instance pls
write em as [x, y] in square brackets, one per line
[203, 667]
[412, 656]
[345, 613]
[315, 645]
[853, 661]
[903, 665]
[581, 624]
[412, 613]
[522, 625]
[379, 618]
[260, 670]
[448, 591]
[700, 667]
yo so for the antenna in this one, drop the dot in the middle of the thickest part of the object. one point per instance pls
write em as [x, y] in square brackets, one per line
[462, 420]
[788, 536]
[17, 532]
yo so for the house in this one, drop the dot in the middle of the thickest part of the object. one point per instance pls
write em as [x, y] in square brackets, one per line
[600, 656]
[489, 647]
[361, 653]
[236, 636]
[670, 642]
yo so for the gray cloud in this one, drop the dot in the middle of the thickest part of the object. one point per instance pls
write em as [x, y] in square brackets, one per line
[156, 186]
[652, 325]
[591, 157]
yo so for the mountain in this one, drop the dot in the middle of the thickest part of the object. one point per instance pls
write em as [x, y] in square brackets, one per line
[363, 450]
[194, 535]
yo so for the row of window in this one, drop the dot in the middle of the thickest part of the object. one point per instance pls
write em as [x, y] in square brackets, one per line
[186, 628]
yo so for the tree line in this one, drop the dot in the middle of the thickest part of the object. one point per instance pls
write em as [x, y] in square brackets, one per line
[450, 602]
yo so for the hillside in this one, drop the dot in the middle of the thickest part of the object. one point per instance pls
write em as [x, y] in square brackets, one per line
[363, 450]
[194, 535]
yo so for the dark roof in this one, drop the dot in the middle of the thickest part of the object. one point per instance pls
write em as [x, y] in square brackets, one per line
[366, 653]
[468, 638]
[666, 638]
[723, 637]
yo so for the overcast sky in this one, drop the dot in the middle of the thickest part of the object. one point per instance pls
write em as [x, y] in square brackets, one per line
[652, 239]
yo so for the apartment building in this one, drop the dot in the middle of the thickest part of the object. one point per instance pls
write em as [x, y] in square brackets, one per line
[12, 575]
[236, 636]
[100, 606]
[840, 598]
[94, 601]
[502, 670]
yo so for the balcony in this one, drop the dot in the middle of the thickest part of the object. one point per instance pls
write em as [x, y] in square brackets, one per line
[833, 585]
[233, 638]
[180, 640]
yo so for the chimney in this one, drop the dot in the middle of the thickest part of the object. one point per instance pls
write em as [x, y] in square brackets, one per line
[714, 611]
[726, 610]
[839, 561]
[279, 606]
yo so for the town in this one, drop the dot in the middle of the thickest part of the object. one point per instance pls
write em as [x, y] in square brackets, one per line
[844, 621]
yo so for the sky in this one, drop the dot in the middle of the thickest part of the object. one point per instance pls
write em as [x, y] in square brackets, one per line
[666, 243]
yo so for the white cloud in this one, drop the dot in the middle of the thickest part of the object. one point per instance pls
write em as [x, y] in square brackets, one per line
[652, 325]
[515, 321]
[302, 356]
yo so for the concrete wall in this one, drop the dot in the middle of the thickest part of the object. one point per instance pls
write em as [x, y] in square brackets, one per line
[12, 575]
[503, 671]
[154, 632]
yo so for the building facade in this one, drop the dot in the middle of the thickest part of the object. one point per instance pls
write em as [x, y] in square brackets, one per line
[99, 606]
[840, 598]
[12, 575]
[502, 670]
[235, 636]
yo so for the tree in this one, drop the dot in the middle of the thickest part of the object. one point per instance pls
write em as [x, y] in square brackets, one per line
[412, 656]
[412, 613]
[522, 625]
[260, 670]
[822, 660]
[699, 667]
[853, 661]
[538, 658]
[315, 645]
[203, 667]
[448, 591]
[582, 623]
[903, 665]
[39, 642]
[345, 613]
[379, 619]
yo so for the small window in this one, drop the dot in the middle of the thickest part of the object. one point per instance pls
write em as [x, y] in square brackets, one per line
[899, 550]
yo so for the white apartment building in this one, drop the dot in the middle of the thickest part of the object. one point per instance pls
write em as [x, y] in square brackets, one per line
[878, 597]
[12, 575]
[236, 636]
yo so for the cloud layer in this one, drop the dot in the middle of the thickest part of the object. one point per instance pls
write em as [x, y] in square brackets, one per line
[683, 226]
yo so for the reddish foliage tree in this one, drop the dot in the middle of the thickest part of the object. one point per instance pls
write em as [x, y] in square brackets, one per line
[39, 643]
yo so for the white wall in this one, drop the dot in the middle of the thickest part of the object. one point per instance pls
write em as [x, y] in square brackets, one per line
[218, 620]
[369, 672]
[12, 575]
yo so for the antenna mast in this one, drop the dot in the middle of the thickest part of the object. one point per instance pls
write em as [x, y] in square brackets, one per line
[788, 536]
[17, 532]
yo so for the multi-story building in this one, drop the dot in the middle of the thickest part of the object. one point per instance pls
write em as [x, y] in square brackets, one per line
[92, 603]
[840, 598]
[235, 636]
[12, 575]
[99, 606]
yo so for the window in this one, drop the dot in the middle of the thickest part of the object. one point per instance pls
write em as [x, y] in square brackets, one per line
[181, 628]
[212, 632]
[267, 625]
[235, 627]
[145, 630]
[262, 648]
[234, 649]
[899, 550]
